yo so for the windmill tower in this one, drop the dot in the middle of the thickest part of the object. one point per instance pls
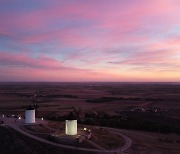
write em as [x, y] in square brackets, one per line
[30, 115]
[71, 124]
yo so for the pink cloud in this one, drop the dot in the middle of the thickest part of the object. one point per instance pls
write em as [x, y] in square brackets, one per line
[119, 23]
[5, 32]
[125, 33]
[24, 60]
[161, 60]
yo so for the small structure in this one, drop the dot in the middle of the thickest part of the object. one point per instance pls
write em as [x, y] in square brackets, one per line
[30, 115]
[71, 124]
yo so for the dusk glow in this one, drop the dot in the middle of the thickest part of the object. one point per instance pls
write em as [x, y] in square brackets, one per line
[95, 40]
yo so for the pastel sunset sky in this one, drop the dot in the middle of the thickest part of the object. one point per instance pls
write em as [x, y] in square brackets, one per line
[90, 40]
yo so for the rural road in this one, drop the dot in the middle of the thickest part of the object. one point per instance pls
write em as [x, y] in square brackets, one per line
[16, 125]
[128, 141]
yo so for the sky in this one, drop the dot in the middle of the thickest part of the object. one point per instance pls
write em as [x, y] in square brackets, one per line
[93, 40]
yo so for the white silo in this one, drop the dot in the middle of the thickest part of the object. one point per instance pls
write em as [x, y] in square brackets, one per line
[71, 125]
[30, 115]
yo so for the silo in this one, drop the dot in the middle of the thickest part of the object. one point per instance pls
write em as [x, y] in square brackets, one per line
[30, 115]
[71, 125]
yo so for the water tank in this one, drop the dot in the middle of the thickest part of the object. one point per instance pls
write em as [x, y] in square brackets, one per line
[30, 115]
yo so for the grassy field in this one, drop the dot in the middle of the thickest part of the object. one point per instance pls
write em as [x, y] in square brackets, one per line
[52, 96]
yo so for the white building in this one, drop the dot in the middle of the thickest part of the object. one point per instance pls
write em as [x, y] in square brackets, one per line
[71, 125]
[30, 115]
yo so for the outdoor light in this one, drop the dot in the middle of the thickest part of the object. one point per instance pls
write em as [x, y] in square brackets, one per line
[85, 129]
[42, 118]
[19, 118]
